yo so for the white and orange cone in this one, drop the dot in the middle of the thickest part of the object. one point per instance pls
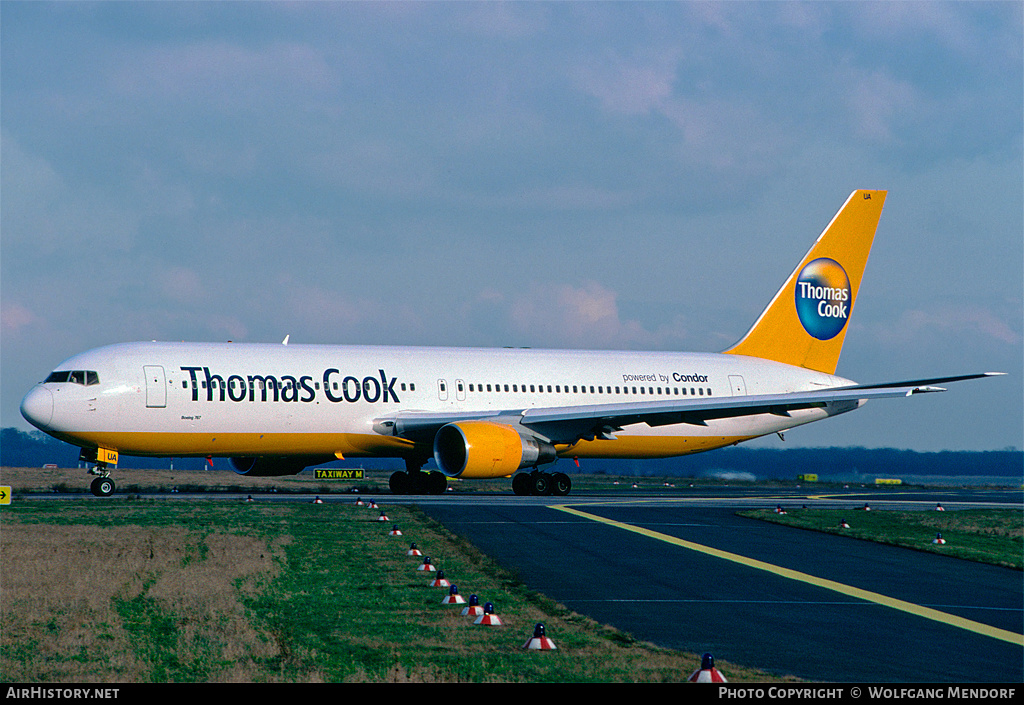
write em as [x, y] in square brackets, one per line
[488, 618]
[426, 565]
[707, 673]
[382, 517]
[938, 539]
[413, 551]
[453, 597]
[843, 524]
[473, 609]
[395, 531]
[317, 500]
[440, 580]
[938, 508]
[539, 641]
[360, 502]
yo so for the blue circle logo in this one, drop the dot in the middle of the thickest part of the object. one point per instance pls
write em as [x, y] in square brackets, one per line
[823, 298]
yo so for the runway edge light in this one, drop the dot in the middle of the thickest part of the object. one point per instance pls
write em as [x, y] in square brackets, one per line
[539, 641]
[453, 597]
[473, 609]
[707, 673]
[488, 618]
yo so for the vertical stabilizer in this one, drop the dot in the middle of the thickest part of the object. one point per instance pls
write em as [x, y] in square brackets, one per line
[806, 322]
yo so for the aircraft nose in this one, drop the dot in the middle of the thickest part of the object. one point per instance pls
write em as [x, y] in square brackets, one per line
[37, 407]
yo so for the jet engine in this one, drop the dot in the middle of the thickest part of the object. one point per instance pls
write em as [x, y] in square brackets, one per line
[269, 466]
[481, 449]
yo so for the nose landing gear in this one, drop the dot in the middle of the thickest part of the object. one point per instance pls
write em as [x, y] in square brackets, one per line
[103, 485]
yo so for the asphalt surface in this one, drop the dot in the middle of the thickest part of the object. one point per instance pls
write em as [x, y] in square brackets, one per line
[680, 597]
[684, 599]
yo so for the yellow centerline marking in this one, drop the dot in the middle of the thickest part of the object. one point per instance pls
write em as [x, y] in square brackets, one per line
[902, 605]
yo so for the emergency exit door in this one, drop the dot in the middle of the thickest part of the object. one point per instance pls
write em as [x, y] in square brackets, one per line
[156, 387]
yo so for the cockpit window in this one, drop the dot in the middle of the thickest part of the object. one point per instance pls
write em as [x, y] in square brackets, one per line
[86, 378]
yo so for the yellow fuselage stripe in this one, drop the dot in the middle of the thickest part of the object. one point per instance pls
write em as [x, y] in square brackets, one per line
[902, 605]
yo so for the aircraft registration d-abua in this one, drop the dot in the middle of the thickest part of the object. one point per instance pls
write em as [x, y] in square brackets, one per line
[479, 413]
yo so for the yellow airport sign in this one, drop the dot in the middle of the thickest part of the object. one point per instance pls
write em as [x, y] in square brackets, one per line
[5, 494]
[888, 481]
[807, 477]
[338, 474]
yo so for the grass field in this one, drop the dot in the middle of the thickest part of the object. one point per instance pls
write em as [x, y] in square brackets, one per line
[986, 535]
[130, 481]
[149, 590]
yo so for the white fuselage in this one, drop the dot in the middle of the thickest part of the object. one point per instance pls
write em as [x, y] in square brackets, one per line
[234, 399]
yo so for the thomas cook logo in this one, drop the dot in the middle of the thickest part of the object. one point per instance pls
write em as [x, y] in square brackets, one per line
[823, 298]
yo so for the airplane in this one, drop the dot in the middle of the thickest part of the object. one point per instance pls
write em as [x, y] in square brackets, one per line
[276, 409]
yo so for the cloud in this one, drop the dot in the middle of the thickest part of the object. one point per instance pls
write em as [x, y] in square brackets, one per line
[14, 318]
[916, 326]
[587, 316]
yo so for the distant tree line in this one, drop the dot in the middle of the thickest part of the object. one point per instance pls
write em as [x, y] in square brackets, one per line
[35, 449]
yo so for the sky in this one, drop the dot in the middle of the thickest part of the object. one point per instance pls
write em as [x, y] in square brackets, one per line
[601, 175]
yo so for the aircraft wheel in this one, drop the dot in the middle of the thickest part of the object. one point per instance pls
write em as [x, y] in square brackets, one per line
[560, 484]
[541, 484]
[399, 482]
[436, 483]
[102, 487]
[521, 484]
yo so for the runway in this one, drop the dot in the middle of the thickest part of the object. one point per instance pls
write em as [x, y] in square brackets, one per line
[687, 573]
[679, 568]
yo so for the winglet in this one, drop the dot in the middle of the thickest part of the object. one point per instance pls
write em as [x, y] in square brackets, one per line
[806, 323]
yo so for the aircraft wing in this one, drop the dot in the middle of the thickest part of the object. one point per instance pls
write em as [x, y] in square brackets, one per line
[568, 424]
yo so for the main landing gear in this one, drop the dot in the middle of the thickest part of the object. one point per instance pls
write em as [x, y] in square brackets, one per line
[541, 483]
[415, 481]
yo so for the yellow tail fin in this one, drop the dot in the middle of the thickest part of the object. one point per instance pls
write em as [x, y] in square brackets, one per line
[806, 322]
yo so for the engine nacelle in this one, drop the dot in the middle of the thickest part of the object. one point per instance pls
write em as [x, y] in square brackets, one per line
[269, 466]
[481, 449]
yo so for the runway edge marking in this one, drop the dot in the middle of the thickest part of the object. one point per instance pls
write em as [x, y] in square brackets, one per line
[849, 590]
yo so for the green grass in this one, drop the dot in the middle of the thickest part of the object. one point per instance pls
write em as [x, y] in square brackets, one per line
[985, 535]
[164, 591]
